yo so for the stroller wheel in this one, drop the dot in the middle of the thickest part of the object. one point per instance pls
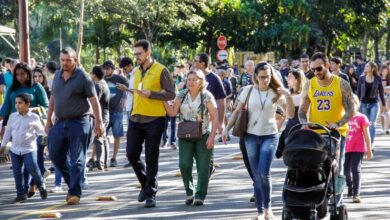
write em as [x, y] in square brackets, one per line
[286, 214]
[342, 213]
[313, 215]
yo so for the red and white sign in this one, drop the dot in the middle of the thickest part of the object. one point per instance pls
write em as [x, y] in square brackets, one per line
[221, 42]
[222, 55]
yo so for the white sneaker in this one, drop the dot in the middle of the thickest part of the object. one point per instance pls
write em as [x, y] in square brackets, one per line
[56, 189]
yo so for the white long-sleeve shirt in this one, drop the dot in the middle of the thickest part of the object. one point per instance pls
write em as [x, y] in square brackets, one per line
[24, 130]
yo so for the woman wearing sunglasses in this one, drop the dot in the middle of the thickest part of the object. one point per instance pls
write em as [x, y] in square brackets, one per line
[261, 136]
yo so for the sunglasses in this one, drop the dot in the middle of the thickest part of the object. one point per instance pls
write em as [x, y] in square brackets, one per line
[318, 69]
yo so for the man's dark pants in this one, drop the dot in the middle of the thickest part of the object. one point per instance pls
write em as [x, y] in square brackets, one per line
[71, 137]
[150, 133]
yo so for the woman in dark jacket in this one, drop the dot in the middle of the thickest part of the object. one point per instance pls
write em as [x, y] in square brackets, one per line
[369, 90]
[353, 78]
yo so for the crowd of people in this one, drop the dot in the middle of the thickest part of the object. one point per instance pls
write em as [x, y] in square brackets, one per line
[69, 110]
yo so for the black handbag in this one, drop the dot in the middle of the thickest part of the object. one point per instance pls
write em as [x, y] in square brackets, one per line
[191, 129]
[240, 125]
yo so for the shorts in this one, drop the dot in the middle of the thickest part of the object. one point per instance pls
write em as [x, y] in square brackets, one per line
[116, 123]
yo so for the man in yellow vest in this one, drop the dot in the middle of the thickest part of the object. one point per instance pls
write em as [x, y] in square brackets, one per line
[329, 101]
[152, 86]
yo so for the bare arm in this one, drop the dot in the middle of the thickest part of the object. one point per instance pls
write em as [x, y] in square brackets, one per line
[172, 110]
[366, 135]
[234, 116]
[97, 112]
[213, 116]
[221, 103]
[290, 107]
[2, 89]
[305, 104]
[50, 110]
[348, 105]
[215, 124]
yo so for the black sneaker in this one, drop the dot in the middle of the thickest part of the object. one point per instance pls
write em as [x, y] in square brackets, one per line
[43, 192]
[52, 169]
[220, 140]
[189, 200]
[20, 199]
[198, 202]
[142, 196]
[31, 192]
[252, 199]
[150, 202]
[91, 163]
[350, 193]
[113, 162]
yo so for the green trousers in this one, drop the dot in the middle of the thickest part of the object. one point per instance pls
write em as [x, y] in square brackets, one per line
[188, 150]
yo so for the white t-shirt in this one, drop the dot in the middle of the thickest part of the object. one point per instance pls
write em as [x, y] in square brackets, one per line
[129, 103]
[261, 110]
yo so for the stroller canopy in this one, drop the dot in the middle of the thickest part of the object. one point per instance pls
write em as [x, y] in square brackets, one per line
[304, 149]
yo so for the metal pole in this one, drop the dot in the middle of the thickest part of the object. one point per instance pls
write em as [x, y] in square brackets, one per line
[24, 40]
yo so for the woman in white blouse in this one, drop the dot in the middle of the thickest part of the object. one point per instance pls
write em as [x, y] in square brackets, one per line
[189, 104]
[261, 137]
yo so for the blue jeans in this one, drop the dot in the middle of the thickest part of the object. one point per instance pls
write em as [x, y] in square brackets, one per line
[58, 176]
[172, 120]
[371, 111]
[116, 123]
[261, 151]
[40, 160]
[30, 162]
[71, 137]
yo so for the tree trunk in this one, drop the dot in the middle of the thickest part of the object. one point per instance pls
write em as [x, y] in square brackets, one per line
[330, 44]
[97, 54]
[81, 28]
[376, 47]
[364, 45]
[388, 45]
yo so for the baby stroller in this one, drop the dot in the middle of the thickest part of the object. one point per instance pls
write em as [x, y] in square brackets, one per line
[312, 161]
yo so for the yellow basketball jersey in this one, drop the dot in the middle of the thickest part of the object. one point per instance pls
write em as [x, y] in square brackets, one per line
[326, 103]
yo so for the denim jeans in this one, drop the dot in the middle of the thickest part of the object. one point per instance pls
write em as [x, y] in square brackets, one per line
[261, 151]
[58, 176]
[352, 165]
[172, 139]
[338, 179]
[40, 160]
[71, 137]
[116, 124]
[150, 133]
[30, 162]
[371, 111]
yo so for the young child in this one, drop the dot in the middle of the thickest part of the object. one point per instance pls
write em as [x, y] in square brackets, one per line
[358, 143]
[24, 127]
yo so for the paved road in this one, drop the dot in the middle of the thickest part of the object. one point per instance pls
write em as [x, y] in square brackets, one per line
[229, 191]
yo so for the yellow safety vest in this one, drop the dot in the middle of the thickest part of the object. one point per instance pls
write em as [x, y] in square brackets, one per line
[326, 103]
[151, 81]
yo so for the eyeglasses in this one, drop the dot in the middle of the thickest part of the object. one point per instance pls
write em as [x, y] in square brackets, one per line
[318, 69]
[264, 77]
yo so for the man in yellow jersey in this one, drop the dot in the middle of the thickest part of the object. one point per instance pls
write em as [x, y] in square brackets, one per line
[329, 101]
[152, 86]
